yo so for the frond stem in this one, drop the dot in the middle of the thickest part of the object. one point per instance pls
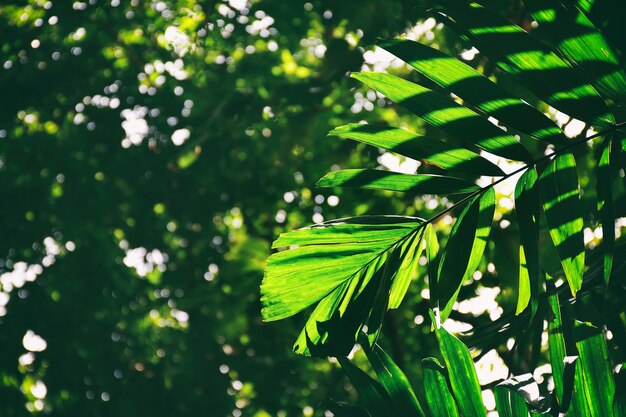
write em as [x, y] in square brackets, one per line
[522, 169]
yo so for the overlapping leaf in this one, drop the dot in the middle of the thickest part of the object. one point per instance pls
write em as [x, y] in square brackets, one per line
[444, 113]
[349, 267]
[579, 41]
[464, 249]
[476, 89]
[394, 381]
[439, 398]
[561, 204]
[605, 206]
[539, 69]
[392, 181]
[428, 149]
[527, 208]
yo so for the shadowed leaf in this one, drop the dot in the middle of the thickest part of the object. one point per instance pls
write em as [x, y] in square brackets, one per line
[444, 113]
[394, 382]
[431, 150]
[579, 41]
[473, 87]
[537, 67]
[561, 204]
[527, 208]
[464, 249]
[439, 398]
[385, 180]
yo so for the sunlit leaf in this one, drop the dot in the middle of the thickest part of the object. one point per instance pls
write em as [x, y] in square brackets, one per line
[463, 378]
[394, 381]
[535, 65]
[371, 393]
[595, 367]
[346, 265]
[444, 113]
[410, 252]
[561, 204]
[464, 249]
[473, 87]
[527, 208]
[431, 150]
[580, 42]
[385, 180]
[439, 398]
[605, 206]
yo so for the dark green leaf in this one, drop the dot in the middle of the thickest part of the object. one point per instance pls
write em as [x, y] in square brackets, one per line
[580, 42]
[524, 396]
[446, 114]
[561, 204]
[534, 64]
[568, 385]
[605, 207]
[432, 255]
[509, 404]
[527, 209]
[431, 150]
[394, 382]
[371, 393]
[462, 373]
[595, 367]
[438, 396]
[464, 249]
[385, 180]
[348, 266]
[473, 87]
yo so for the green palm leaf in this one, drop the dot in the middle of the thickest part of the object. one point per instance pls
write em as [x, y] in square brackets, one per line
[431, 150]
[561, 204]
[527, 207]
[476, 89]
[444, 113]
[538, 68]
[464, 249]
[439, 398]
[385, 180]
[344, 265]
[569, 31]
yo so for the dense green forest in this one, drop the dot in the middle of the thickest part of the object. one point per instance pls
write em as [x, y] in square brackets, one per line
[151, 152]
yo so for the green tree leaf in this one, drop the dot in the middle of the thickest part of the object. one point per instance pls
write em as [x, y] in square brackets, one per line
[527, 209]
[606, 206]
[561, 203]
[348, 266]
[371, 393]
[394, 381]
[462, 373]
[464, 248]
[473, 87]
[535, 65]
[384, 180]
[444, 113]
[579, 41]
[431, 150]
[438, 396]
[595, 368]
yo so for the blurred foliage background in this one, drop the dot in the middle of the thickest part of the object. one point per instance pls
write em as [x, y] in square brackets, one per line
[150, 151]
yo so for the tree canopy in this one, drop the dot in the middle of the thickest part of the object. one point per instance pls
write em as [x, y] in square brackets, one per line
[151, 151]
